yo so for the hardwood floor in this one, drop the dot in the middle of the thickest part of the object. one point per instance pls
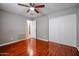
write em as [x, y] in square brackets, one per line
[37, 48]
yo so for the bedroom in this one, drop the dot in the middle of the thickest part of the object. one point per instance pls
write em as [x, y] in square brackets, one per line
[53, 31]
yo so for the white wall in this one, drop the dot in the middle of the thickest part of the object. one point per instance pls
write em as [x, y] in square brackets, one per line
[77, 25]
[62, 27]
[12, 27]
[42, 27]
[0, 25]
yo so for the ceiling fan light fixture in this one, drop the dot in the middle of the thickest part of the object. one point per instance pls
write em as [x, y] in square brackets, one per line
[32, 8]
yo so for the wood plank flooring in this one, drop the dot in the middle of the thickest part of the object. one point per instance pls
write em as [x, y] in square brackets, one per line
[37, 47]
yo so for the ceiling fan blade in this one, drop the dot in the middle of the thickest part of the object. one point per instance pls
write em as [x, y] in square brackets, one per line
[28, 10]
[36, 10]
[40, 6]
[23, 5]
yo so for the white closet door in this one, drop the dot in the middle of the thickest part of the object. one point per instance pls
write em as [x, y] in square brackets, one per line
[63, 29]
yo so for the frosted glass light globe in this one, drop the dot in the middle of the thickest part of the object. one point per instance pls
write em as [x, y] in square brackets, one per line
[32, 8]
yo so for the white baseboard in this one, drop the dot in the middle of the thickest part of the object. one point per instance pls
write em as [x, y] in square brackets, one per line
[15, 41]
[78, 49]
[20, 40]
[42, 39]
[11, 42]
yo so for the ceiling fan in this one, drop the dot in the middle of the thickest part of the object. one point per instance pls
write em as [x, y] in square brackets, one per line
[32, 7]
